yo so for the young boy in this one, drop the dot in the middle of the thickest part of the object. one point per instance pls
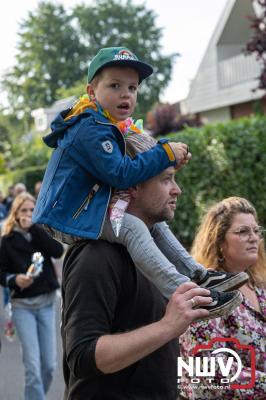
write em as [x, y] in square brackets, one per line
[90, 159]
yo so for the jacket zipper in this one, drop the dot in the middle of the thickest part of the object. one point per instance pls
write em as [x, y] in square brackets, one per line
[86, 202]
[101, 229]
[108, 123]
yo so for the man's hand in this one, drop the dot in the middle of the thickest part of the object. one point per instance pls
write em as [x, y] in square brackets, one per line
[23, 281]
[181, 153]
[180, 311]
[115, 352]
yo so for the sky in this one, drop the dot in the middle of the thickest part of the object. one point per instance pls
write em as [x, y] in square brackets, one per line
[187, 28]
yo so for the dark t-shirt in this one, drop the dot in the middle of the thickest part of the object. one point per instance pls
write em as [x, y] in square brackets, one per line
[103, 293]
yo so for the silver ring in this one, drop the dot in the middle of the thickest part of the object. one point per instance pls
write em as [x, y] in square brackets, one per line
[193, 302]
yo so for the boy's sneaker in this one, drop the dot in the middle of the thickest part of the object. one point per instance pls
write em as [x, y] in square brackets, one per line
[222, 304]
[223, 281]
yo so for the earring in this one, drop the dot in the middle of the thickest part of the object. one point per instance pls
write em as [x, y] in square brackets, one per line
[220, 257]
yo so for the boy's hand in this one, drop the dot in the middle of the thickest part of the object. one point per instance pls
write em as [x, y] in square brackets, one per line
[181, 153]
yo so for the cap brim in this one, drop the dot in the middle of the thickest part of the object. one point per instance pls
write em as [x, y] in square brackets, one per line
[144, 69]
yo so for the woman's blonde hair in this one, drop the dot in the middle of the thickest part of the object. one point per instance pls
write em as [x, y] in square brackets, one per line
[206, 248]
[10, 221]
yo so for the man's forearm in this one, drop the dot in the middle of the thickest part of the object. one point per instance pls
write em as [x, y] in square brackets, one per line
[115, 352]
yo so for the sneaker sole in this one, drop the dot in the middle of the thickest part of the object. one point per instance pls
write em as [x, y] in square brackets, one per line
[234, 283]
[225, 309]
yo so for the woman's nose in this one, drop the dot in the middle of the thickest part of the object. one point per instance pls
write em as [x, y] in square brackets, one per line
[29, 212]
[253, 236]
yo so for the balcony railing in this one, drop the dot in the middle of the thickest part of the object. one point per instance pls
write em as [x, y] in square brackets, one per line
[237, 69]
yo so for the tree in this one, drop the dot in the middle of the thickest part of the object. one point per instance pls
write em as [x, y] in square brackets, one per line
[54, 47]
[11, 129]
[257, 43]
[120, 23]
[166, 118]
[49, 56]
[19, 149]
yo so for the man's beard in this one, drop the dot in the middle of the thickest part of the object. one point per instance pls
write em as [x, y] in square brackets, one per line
[162, 216]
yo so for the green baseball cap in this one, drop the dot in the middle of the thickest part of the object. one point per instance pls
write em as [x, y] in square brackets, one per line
[118, 56]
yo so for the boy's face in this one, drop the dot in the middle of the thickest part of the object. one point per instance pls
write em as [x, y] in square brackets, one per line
[116, 91]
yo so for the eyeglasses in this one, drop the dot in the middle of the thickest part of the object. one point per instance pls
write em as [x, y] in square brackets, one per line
[245, 232]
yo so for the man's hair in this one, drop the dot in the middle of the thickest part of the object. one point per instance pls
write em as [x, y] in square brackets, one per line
[138, 143]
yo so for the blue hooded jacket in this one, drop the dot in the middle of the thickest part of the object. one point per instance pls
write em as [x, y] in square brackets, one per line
[89, 159]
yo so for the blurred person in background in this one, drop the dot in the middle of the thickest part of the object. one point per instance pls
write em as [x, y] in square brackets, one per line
[33, 292]
[3, 209]
[9, 198]
[19, 188]
[37, 188]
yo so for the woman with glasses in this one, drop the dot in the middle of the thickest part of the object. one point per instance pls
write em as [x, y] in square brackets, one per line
[230, 239]
[27, 270]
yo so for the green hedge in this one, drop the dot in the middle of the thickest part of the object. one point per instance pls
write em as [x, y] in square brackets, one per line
[228, 159]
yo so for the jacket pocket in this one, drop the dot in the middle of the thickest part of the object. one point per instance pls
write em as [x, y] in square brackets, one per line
[86, 202]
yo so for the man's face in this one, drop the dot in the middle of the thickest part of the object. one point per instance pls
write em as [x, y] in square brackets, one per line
[155, 200]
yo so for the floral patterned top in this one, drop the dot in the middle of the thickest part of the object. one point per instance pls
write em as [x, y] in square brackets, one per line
[249, 327]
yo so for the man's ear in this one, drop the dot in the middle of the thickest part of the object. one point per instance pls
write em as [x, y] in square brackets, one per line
[90, 91]
[133, 191]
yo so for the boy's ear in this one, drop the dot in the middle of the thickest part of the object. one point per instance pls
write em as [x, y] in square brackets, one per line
[90, 92]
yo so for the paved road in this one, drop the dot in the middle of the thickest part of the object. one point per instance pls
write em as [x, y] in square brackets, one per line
[11, 368]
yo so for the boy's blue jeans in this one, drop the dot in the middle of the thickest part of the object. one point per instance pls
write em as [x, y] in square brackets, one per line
[157, 253]
[37, 334]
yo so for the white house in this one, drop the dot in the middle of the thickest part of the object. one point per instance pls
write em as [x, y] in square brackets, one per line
[44, 116]
[222, 88]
